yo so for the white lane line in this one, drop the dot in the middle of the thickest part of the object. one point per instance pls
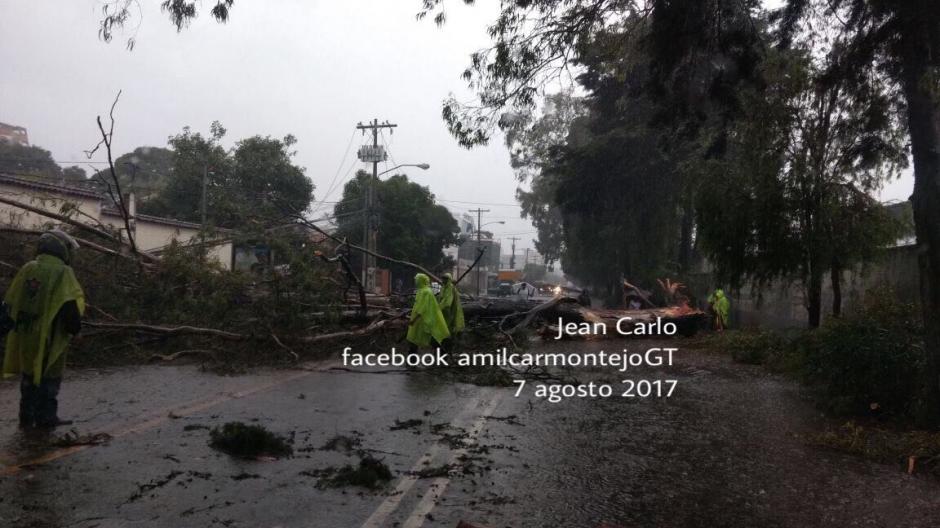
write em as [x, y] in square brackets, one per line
[439, 485]
[406, 482]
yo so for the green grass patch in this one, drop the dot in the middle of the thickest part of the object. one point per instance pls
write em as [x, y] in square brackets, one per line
[914, 451]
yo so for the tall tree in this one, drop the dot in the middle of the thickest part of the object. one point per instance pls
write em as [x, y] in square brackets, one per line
[196, 158]
[74, 174]
[27, 161]
[116, 14]
[792, 197]
[701, 49]
[256, 185]
[411, 225]
[534, 143]
[264, 182]
[146, 170]
[902, 39]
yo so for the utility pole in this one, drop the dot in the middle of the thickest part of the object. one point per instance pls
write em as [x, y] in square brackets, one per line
[479, 213]
[512, 256]
[375, 154]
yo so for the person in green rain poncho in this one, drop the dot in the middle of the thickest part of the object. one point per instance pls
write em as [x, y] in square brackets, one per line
[426, 324]
[45, 303]
[449, 299]
[721, 307]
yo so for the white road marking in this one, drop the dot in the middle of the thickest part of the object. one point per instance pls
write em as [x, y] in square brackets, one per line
[439, 485]
[391, 503]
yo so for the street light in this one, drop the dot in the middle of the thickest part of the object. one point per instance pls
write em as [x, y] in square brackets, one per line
[479, 229]
[422, 166]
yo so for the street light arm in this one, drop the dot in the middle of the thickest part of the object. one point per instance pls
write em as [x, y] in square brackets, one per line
[422, 166]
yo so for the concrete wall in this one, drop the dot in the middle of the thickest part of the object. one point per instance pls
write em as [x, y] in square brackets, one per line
[782, 304]
[151, 235]
[157, 235]
[53, 202]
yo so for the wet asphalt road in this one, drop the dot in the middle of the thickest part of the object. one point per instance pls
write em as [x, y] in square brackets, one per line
[724, 450]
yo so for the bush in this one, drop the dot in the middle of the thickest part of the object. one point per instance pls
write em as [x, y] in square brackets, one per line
[869, 360]
[749, 346]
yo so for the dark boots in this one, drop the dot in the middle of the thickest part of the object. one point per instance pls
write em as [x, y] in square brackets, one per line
[39, 404]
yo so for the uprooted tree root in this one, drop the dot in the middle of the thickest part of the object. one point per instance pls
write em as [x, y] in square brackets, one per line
[249, 441]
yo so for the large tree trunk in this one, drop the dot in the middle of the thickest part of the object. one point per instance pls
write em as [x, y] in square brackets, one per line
[836, 279]
[923, 108]
[686, 228]
[814, 294]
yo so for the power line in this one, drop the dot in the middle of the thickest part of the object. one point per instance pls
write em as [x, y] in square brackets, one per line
[338, 185]
[342, 163]
[478, 203]
[388, 149]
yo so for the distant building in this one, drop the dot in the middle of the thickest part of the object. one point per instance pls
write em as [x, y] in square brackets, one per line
[14, 134]
[903, 212]
[152, 234]
[466, 224]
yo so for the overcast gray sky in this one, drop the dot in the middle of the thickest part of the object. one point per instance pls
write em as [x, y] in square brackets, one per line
[313, 68]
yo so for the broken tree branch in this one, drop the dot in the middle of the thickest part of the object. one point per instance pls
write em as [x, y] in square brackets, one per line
[106, 138]
[99, 310]
[480, 252]
[351, 277]
[173, 356]
[374, 327]
[168, 330]
[531, 314]
[640, 294]
[285, 347]
[232, 336]
[84, 242]
[299, 218]
[75, 223]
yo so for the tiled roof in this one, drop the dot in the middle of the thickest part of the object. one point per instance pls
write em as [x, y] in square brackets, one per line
[49, 187]
[153, 219]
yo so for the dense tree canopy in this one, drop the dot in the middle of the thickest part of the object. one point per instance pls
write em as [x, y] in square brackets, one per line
[255, 185]
[26, 161]
[116, 14]
[145, 170]
[696, 59]
[792, 195]
[411, 226]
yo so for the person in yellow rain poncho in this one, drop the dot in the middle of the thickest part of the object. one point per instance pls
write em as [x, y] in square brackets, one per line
[449, 299]
[45, 303]
[721, 307]
[426, 324]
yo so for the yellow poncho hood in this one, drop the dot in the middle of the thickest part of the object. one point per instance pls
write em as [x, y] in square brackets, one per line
[38, 291]
[450, 304]
[431, 323]
[721, 305]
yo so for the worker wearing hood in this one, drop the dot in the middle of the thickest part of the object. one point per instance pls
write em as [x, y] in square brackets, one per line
[449, 299]
[426, 322]
[721, 307]
[45, 303]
